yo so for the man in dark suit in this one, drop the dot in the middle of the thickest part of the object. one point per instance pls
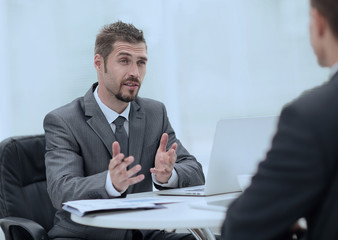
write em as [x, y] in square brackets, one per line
[299, 178]
[90, 155]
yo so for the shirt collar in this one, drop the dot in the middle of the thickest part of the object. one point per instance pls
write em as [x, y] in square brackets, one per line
[110, 114]
[334, 69]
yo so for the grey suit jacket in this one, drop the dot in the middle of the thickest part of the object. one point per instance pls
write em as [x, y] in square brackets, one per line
[298, 178]
[79, 147]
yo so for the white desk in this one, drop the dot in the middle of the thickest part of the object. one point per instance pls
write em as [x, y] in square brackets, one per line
[174, 216]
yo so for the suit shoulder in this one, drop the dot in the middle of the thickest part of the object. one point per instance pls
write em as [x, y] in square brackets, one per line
[68, 109]
[317, 105]
[319, 99]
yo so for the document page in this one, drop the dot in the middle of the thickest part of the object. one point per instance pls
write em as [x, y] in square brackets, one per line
[82, 207]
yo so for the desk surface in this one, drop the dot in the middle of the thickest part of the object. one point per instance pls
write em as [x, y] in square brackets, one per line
[175, 215]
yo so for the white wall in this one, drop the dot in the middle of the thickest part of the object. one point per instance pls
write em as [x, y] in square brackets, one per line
[208, 59]
[5, 123]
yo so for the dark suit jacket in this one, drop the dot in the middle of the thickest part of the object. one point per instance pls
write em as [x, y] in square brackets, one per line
[299, 177]
[79, 147]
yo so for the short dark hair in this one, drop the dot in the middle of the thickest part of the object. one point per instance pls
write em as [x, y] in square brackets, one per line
[118, 31]
[329, 9]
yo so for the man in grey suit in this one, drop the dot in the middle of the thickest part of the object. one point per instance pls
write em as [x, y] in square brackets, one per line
[299, 178]
[84, 158]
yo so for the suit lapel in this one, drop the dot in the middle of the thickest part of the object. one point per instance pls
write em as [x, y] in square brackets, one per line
[97, 120]
[137, 123]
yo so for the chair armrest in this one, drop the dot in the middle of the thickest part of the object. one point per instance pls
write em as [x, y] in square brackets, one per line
[34, 229]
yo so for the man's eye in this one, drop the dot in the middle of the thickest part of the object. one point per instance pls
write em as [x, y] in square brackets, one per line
[141, 63]
[124, 61]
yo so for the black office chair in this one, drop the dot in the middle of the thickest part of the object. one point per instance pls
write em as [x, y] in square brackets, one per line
[26, 211]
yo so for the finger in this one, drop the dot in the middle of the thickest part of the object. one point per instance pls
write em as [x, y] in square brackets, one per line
[163, 142]
[118, 168]
[154, 171]
[125, 174]
[168, 168]
[172, 156]
[168, 163]
[116, 148]
[115, 161]
[125, 162]
[157, 171]
[134, 180]
[127, 181]
[174, 146]
[162, 171]
[133, 170]
[119, 174]
[169, 159]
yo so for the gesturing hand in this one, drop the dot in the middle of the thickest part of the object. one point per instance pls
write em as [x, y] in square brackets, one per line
[121, 178]
[164, 160]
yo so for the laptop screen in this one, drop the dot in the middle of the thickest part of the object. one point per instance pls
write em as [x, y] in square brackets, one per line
[239, 145]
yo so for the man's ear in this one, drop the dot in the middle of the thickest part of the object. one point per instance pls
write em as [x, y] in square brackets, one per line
[320, 22]
[98, 62]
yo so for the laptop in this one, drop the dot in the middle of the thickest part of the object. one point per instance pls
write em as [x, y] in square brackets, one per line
[239, 145]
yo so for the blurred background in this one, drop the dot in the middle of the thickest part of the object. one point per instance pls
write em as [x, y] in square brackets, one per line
[208, 59]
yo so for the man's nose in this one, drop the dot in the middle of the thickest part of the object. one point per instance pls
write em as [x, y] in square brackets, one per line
[134, 71]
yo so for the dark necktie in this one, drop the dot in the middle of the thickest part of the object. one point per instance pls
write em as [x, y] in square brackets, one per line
[121, 135]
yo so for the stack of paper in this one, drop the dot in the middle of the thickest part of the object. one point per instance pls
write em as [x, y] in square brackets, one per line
[82, 207]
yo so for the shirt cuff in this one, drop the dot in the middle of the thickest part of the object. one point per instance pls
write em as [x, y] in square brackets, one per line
[112, 192]
[172, 183]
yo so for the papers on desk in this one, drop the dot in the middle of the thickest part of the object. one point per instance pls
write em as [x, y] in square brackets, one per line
[83, 207]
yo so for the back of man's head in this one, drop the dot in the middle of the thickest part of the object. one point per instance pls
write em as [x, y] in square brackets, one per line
[329, 9]
[118, 31]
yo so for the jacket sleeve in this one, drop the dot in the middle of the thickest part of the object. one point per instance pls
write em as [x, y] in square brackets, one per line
[66, 179]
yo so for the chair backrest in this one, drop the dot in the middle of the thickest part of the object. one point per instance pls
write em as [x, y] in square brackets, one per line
[23, 188]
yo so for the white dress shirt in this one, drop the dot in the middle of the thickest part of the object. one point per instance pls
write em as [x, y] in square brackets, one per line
[111, 115]
[334, 69]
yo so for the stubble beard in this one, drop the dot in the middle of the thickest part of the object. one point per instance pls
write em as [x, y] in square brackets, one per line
[132, 93]
[128, 98]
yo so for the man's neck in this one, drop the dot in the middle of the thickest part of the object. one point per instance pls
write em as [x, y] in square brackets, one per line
[112, 102]
[119, 106]
[331, 50]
